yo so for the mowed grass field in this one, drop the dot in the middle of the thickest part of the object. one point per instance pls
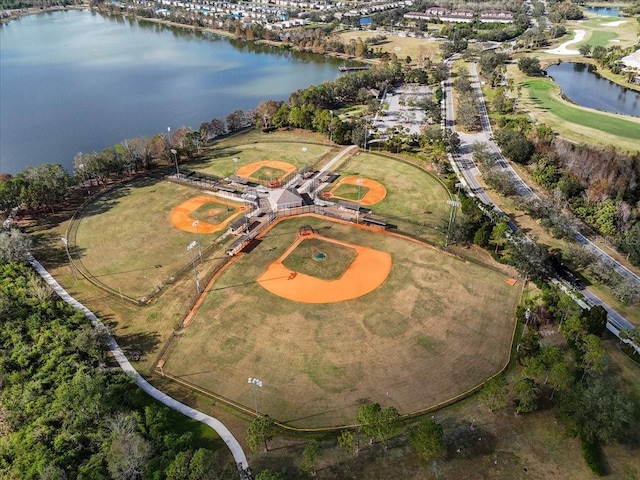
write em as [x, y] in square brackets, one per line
[435, 328]
[416, 201]
[219, 160]
[333, 261]
[126, 240]
[587, 125]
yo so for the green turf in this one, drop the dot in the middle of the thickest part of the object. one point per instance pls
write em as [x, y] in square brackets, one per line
[600, 38]
[219, 160]
[338, 258]
[416, 202]
[434, 319]
[213, 212]
[542, 93]
[350, 192]
[268, 173]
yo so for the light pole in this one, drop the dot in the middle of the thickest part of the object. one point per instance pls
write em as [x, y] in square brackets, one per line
[256, 383]
[331, 127]
[235, 167]
[193, 262]
[304, 156]
[359, 182]
[452, 217]
[66, 247]
[195, 224]
[174, 152]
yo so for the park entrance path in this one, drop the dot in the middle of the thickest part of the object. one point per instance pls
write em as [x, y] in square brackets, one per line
[116, 351]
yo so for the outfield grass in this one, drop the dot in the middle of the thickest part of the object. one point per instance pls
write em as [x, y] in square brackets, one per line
[430, 332]
[416, 201]
[337, 259]
[543, 93]
[349, 191]
[218, 160]
[126, 240]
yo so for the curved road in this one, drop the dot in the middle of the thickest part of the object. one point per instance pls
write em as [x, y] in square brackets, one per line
[465, 168]
[222, 431]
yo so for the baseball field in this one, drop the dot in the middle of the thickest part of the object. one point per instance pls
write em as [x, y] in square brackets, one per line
[434, 327]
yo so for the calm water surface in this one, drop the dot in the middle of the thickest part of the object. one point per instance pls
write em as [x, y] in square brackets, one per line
[77, 81]
[583, 86]
[604, 11]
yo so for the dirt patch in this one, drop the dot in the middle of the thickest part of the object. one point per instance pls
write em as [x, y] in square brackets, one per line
[368, 271]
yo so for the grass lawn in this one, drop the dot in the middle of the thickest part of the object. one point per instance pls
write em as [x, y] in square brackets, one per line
[350, 192]
[307, 258]
[126, 240]
[434, 319]
[544, 97]
[403, 47]
[218, 160]
[416, 201]
[268, 173]
[599, 38]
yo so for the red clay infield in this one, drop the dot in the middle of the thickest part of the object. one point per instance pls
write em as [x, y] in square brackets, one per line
[376, 192]
[181, 218]
[369, 269]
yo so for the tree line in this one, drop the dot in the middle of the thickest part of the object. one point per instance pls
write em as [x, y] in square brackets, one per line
[66, 410]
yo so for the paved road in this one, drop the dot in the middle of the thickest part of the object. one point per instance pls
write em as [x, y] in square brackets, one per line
[223, 432]
[462, 162]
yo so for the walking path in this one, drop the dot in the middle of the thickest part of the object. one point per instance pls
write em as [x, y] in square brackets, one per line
[222, 431]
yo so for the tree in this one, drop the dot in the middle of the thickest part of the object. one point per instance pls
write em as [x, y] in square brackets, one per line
[595, 320]
[377, 423]
[269, 475]
[128, 451]
[530, 66]
[261, 430]
[560, 378]
[14, 246]
[494, 393]
[236, 120]
[529, 345]
[593, 355]
[311, 455]
[527, 395]
[427, 439]
[584, 49]
[349, 441]
[514, 144]
[632, 334]
[598, 411]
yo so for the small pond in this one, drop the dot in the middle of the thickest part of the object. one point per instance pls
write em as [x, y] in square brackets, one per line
[582, 85]
[604, 11]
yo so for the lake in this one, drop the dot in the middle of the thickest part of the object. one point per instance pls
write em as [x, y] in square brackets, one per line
[78, 81]
[582, 85]
[604, 11]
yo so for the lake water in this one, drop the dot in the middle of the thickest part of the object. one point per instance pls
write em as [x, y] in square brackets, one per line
[604, 11]
[583, 86]
[77, 81]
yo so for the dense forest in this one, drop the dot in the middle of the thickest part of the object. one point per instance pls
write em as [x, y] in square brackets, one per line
[65, 411]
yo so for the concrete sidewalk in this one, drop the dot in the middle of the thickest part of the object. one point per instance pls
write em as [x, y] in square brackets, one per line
[222, 431]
